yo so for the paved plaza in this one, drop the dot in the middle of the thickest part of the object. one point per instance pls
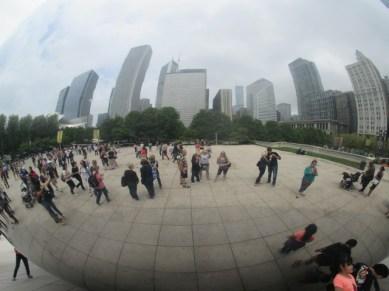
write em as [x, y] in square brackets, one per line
[213, 236]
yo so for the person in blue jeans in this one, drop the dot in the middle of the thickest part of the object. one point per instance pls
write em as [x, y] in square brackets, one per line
[272, 167]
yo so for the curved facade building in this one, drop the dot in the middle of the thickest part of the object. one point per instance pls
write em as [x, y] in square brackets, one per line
[170, 67]
[369, 90]
[126, 96]
[80, 94]
[307, 82]
[63, 94]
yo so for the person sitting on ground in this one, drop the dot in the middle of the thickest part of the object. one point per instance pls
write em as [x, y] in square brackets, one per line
[366, 276]
[299, 239]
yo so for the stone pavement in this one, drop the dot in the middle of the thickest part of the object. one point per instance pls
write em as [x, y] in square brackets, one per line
[213, 236]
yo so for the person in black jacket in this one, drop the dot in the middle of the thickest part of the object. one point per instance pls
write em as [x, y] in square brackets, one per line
[132, 181]
[195, 167]
[366, 276]
[76, 175]
[147, 177]
[262, 163]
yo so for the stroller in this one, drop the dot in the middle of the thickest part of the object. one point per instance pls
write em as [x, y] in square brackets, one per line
[27, 197]
[348, 180]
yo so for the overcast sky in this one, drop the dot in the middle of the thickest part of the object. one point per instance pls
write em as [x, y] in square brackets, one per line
[44, 44]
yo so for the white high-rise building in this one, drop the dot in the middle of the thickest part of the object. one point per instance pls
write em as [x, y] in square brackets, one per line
[369, 90]
[126, 95]
[186, 91]
[223, 102]
[170, 67]
[261, 100]
[285, 111]
[239, 96]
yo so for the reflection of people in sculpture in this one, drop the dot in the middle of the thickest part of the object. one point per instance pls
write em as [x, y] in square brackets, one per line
[21, 257]
[6, 208]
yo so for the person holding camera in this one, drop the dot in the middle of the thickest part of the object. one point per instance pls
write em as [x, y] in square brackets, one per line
[272, 167]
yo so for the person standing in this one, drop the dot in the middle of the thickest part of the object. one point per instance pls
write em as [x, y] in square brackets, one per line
[4, 175]
[367, 276]
[183, 168]
[85, 173]
[132, 181]
[147, 177]
[262, 163]
[5, 207]
[164, 151]
[67, 178]
[367, 176]
[204, 163]
[195, 167]
[344, 280]
[224, 164]
[310, 173]
[20, 257]
[376, 181]
[273, 158]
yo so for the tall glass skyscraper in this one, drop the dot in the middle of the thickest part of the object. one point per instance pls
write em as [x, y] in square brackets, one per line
[79, 97]
[239, 96]
[261, 97]
[307, 82]
[186, 91]
[223, 102]
[126, 96]
[370, 97]
[170, 67]
[63, 94]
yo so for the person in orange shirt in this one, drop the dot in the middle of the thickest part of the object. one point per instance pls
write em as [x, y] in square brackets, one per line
[299, 239]
[344, 280]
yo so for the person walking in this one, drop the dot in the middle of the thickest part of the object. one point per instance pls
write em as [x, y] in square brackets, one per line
[154, 165]
[367, 176]
[76, 175]
[224, 164]
[67, 178]
[183, 168]
[273, 158]
[147, 177]
[132, 180]
[99, 186]
[204, 163]
[310, 173]
[262, 163]
[299, 239]
[4, 175]
[164, 151]
[20, 257]
[6, 208]
[45, 198]
[376, 181]
[195, 167]
[85, 173]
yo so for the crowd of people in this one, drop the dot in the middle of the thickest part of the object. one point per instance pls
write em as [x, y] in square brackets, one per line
[40, 183]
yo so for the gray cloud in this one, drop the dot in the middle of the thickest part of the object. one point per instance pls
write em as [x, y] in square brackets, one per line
[236, 41]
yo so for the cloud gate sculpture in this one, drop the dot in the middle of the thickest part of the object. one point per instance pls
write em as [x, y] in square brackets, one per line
[222, 235]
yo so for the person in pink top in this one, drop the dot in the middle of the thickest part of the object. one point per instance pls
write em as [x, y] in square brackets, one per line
[299, 239]
[99, 186]
[344, 280]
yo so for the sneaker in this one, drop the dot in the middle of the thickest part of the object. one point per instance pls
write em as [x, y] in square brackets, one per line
[30, 277]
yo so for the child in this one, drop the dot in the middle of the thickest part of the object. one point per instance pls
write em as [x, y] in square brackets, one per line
[299, 239]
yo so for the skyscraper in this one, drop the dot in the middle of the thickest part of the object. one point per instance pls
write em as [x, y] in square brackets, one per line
[346, 111]
[285, 111]
[369, 90]
[101, 117]
[239, 96]
[223, 102]
[126, 96]
[80, 94]
[144, 104]
[262, 100]
[307, 83]
[322, 106]
[170, 67]
[63, 94]
[186, 91]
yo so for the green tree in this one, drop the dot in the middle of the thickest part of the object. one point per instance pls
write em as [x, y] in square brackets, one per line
[169, 124]
[207, 123]
[3, 121]
[25, 129]
[39, 127]
[13, 134]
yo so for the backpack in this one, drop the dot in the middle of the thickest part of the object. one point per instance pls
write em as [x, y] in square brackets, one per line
[92, 180]
[124, 181]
